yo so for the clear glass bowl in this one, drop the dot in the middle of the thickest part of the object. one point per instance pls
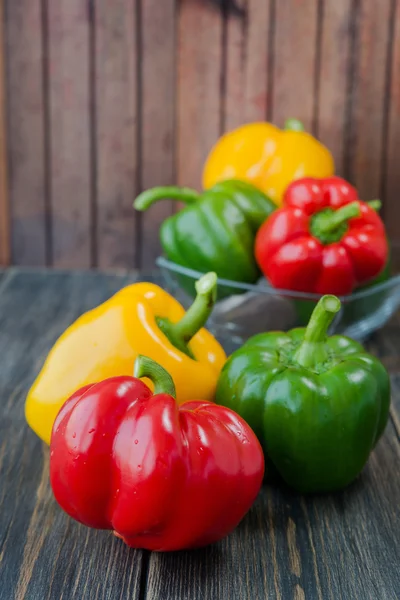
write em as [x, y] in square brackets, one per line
[244, 310]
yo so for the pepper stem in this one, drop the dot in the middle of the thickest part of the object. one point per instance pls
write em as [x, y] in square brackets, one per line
[337, 218]
[162, 380]
[293, 125]
[312, 350]
[376, 205]
[180, 333]
[149, 197]
[330, 225]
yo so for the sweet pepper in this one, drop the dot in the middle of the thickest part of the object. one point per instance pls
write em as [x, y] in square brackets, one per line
[318, 404]
[162, 476]
[361, 304]
[105, 342]
[216, 230]
[267, 157]
[323, 240]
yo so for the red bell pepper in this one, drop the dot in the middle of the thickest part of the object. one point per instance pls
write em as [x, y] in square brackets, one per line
[162, 476]
[323, 240]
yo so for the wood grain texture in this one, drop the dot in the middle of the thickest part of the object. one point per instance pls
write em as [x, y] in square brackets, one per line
[387, 348]
[26, 131]
[333, 77]
[391, 175]
[295, 51]
[43, 554]
[199, 82]
[69, 87]
[331, 547]
[4, 207]
[371, 34]
[158, 78]
[395, 409]
[247, 76]
[116, 129]
[105, 98]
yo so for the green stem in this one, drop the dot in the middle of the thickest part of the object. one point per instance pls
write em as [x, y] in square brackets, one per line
[334, 220]
[162, 380]
[149, 197]
[312, 350]
[180, 333]
[293, 125]
[330, 225]
[376, 205]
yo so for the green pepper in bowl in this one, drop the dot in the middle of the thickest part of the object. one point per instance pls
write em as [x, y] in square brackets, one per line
[216, 229]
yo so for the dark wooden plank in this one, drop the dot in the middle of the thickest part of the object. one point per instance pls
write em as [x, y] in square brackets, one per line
[26, 131]
[4, 207]
[70, 176]
[199, 100]
[334, 64]
[395, 409]
[392, 171]
[295, 50]
[368, 90]
[335, 546]
[44, 554]
[332, 547]
[247, 63]
[158, 79]
[386, 345]
[234, 68]
[116, 147]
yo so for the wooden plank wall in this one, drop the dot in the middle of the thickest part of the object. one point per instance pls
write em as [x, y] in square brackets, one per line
[102, 98]
[4, 203]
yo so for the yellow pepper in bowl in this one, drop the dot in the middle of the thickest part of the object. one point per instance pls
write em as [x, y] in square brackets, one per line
[267, 157]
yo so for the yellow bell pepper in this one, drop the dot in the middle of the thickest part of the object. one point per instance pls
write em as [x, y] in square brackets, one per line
[105, 342]
[267, 157]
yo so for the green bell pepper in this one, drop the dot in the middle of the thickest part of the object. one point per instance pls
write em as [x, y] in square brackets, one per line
[318, 404]
[216, 230]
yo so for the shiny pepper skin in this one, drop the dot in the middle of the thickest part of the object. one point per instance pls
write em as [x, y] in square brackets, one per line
[268, 157]
[104, 342]
[161, 476]
[323, 240]
[318, 403]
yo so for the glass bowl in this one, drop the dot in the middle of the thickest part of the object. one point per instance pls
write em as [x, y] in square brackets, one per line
[243, 310]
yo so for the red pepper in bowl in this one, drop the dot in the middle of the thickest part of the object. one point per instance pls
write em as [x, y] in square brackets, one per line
[323, 240]
[161, 476]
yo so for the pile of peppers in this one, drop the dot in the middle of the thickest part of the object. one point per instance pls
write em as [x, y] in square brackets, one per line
[157, 435]
[132, 447]
[272, 206]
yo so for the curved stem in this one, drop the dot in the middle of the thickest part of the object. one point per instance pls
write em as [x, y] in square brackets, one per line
[293, 125]
[162, 380]
[334, 220]
[149, 197]
[180, 333]
[312, 350]
[196, 316]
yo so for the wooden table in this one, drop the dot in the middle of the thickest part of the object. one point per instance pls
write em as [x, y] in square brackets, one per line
[342, 546]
